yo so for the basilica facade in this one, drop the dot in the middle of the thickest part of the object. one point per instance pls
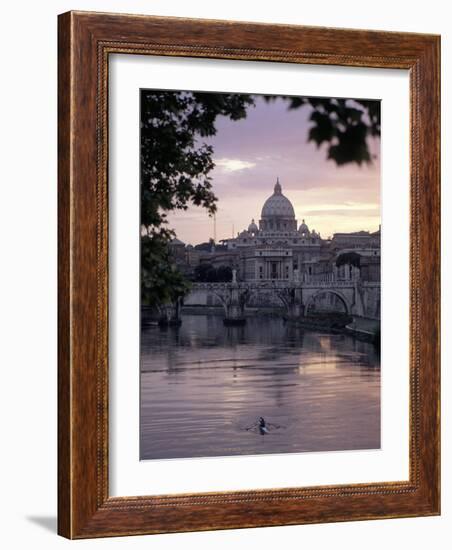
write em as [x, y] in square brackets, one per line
[277, 247]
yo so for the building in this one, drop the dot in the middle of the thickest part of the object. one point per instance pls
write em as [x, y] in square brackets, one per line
[277, 248]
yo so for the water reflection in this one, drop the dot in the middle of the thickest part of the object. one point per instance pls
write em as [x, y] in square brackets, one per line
[202, 384]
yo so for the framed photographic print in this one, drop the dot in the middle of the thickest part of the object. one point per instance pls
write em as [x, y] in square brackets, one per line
[248, 275]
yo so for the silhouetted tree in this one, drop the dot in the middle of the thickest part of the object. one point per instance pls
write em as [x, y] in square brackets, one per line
[344, 125]
[174, 173]
[224, 274]
[161, 281]
[201, 272]
[348, 258]
[207, 273]
[206, 247]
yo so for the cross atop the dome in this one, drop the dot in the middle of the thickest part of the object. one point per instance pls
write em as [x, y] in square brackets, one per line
[278, 188]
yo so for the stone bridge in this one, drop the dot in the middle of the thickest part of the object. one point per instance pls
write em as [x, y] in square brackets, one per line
[358, 298]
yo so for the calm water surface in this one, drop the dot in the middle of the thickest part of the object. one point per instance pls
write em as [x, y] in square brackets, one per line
[203, 385]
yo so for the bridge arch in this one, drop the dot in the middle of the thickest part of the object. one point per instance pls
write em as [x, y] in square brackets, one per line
[321, 291]
[281, 296]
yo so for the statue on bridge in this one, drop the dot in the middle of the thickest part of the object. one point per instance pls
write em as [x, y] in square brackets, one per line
[291, 297]
[234, 299]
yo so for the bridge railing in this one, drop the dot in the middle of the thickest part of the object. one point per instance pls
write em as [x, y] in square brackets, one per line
[324, 281]
[328, 278]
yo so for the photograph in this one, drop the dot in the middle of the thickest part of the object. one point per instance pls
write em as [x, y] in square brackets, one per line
[260, 238]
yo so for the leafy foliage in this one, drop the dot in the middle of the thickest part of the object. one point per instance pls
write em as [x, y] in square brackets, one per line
[207, 273]
[161, 281]
[207, 246]
[343, 125]
[175, 164]
[349, 258]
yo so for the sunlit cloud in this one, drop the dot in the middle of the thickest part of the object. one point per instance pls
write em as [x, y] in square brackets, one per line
[234, 165]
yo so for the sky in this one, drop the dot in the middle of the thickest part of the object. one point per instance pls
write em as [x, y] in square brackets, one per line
[271, 142]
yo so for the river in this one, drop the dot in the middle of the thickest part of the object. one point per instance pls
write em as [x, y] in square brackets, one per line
[204, 386]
